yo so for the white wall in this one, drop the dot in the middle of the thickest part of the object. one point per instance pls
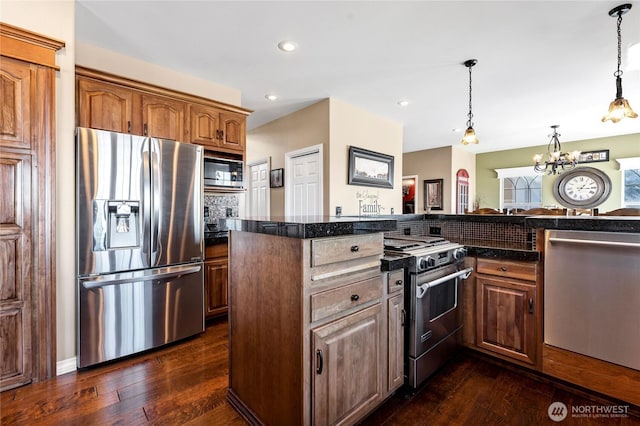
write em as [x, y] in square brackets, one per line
[95, 57]
[353, 126]
[56, 19]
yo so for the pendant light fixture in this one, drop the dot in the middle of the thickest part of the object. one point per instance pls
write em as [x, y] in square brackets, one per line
[556, 161]
[470, 134]
[619, 108]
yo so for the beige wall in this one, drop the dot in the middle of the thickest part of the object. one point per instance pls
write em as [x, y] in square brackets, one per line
[488, 185]
[306, 127]
[430, 164]
[354, 126]
[95, 57]
[57, 19]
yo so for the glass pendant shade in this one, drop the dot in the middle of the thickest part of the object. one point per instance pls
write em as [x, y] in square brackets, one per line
[469, 136]
[619, 108]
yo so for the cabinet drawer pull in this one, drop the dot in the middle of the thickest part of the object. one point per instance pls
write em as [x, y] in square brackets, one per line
[403, 317]
[319, 361]
[129, 126]
[221, 135]
[144, 129]
[355, 249]
[503, 268]
[399, 282]
[530, 306]
[354, 297]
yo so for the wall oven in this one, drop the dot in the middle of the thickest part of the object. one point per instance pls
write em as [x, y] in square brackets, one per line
[432, 301]
[223, 173]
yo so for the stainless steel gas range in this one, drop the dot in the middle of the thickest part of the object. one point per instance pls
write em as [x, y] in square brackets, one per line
[432, 294]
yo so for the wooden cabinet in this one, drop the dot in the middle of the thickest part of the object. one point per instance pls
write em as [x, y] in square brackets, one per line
[109, 102]
[216, 129]
[163, 117]
[395, 342]
[105, 106]
[216, 282]
[507, 309]
[346, 382]
[309, 328]
[27, 209]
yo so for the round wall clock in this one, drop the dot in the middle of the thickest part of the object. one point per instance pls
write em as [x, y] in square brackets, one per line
[584, 187]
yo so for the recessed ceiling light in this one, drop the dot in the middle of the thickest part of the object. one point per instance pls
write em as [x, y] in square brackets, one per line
[271, 97]
[403, 103]
[287, 46]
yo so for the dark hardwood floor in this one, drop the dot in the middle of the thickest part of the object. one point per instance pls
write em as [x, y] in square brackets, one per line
[186, 383]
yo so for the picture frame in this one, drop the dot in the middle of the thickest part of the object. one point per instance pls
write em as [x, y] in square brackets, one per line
[369, 168]
[594, 156]
[433, 194]
[276, 178]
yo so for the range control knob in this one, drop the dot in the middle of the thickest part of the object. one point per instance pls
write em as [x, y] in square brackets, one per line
[427, 262]
[459, 253]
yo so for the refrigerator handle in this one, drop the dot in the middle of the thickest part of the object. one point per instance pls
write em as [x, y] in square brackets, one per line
[155, 201]
[146, 203]
[132, 277]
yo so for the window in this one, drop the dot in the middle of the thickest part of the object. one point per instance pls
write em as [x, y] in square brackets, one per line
[630, 168]
[462, 192]
[520, 188]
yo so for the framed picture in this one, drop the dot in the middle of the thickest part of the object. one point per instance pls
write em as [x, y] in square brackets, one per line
[276, 178]
[593, 156]
[433, 194]
[368, 168]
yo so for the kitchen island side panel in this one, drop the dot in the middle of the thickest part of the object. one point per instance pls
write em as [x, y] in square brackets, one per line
[265, 326]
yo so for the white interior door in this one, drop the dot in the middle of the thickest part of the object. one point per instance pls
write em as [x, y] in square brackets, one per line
[259, 199]
[303, 182]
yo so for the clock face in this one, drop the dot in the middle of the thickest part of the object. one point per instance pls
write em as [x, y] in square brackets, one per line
[580, 188]
[583, 187]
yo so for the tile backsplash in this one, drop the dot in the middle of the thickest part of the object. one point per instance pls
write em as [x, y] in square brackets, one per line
[220, 206]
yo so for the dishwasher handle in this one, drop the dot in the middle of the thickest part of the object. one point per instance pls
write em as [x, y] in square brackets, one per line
[594, 242]
[422, 289]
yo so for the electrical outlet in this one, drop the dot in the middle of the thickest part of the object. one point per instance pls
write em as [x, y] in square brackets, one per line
[229, 212]
[407, 231]
[338, 210]
[435, 230]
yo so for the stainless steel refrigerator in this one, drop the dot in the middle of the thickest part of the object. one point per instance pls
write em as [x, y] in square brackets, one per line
[139, 243]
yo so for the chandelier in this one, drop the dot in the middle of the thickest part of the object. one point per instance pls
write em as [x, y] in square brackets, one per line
[470, 134]
[619, 108]
[556, 161]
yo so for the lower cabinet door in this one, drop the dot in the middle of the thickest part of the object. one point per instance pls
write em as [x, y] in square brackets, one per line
[506, 318]
[347, 380]
[395, 324]
[216, 273]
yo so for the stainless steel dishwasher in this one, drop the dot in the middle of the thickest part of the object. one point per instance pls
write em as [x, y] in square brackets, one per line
[592, 294]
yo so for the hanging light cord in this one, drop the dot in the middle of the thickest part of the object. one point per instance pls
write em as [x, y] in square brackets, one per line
[618, 73]
[470, 115]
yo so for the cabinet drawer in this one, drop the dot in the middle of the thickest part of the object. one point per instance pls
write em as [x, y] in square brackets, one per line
[505, 268]
[331, 250]
[216, 250]
[395, 281]
[333, 301]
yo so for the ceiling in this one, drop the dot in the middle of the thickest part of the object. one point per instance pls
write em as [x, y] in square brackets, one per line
[539, 62]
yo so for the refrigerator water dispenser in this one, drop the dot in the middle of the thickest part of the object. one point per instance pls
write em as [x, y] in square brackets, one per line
[123, 223]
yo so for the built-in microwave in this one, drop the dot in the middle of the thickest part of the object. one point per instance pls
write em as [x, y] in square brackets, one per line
[223, 173]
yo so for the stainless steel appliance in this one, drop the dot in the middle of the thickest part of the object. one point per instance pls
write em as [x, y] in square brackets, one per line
[223, 173]
[592, 294]
[432, 294]
[139, 243]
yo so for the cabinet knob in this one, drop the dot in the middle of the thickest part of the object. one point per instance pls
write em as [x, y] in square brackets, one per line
[355, 249]
[399, 282]
[354, 297]
[503, 268]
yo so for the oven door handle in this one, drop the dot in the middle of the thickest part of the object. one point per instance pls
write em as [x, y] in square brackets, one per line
[422, 289]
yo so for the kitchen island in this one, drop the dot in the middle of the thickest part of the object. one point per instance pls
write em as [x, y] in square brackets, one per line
[311, 318]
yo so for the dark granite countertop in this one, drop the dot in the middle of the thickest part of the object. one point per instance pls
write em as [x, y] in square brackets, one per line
[503, 253]
[391, 262]
[314, 226]
[218, 237]
[586, 223]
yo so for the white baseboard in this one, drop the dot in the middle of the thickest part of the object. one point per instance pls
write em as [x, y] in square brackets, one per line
[66, 366]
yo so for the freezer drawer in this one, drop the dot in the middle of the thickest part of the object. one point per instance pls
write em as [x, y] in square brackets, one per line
[121, 314]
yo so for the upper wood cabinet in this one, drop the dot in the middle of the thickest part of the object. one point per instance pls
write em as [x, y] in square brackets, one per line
[105, 106]
[114, 103]
[163, 117]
